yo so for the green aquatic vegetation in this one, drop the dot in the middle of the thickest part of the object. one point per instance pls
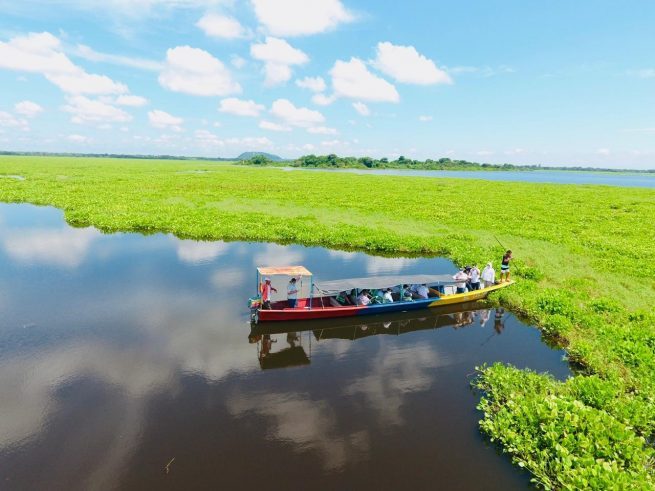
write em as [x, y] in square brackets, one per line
[585, 258]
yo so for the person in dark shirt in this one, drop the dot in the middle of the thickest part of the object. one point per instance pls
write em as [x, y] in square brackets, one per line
[504, 266]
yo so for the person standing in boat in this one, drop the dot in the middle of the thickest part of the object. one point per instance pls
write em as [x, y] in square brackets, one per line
[292, 293]
[474, 275]
[488, 275]
[267, 288]
[504, 266]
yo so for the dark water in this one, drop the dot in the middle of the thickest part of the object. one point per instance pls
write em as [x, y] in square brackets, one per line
[120, 354]
[547, 176]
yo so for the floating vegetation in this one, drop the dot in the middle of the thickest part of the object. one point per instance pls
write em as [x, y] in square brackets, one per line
[585, 265]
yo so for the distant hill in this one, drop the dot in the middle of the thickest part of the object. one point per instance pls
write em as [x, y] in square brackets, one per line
[269, 156]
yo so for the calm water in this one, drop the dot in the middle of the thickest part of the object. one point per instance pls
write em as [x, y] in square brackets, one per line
[551, 176]
[120, 354]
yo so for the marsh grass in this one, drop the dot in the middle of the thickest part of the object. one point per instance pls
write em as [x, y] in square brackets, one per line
[585, 261]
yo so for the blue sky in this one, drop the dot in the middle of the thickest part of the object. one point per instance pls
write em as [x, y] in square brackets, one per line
[553, 83]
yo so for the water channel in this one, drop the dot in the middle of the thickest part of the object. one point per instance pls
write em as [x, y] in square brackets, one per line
[127, 362]
[622, 179]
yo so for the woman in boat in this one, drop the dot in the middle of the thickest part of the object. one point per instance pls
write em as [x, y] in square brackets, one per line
[474, 276]
[460, 280]
[488, 275]
[504, 266]
[266, 293]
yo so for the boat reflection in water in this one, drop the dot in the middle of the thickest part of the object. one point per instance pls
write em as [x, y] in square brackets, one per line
[289, 344]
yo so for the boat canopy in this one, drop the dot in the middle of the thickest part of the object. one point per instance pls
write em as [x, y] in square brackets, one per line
[284, 270]
[377, 282]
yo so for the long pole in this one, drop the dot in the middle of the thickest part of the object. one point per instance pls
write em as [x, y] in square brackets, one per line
[501, 245]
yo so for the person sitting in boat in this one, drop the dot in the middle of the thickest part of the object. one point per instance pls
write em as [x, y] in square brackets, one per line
[353, 296]
[423, 292]
[266, 290]
[406, 294]
[364, 298]
[377, 297]
[460, 280]
[292, 293]
[343, 299]
[387, 297]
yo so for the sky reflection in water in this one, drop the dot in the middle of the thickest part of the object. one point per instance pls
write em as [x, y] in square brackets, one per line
[119, 352]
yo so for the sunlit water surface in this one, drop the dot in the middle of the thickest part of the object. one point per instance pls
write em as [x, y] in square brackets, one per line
[127, 362]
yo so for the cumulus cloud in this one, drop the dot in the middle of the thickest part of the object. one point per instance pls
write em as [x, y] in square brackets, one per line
[77, 138]
[221, 26]
[315, 84]
[270, 126]
[208, 139]
[194, 71]
[295, 116]
[131, 100]
[300, 17]
[250, 142]
[405, 64]
[162, 119]
[27, 108]
[362, 108]
[42, 53]
[352, 79]
[8, 120]
[278, 57]
[240, 107]
[322, 130]
[85, 110]
[237, 61]
[424, 118]
[323, 100]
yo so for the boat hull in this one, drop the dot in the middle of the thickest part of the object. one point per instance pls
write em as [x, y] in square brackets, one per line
[329, 312]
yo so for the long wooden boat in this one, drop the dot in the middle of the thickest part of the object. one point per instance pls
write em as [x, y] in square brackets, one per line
[319, 304]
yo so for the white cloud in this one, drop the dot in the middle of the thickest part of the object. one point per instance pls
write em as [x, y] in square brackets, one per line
[194, 71]
[90, 54]
[240, 107]
[323, 100]
[197, 252]
[315, 84]
[28, 108]
[237, 61]
[278, 57]
[161, 119]
[424, 118]
[206, 138]
[42, 53]
[514, 151]
[484, 153]
[603, 151]
[322, 130]
[221, 26]
[131, 100]
[269, 125]
[333, 143]
[300, 17]
[8, 120]
[295, 116]
[352, 79]
[78, 138]
[308, 147]
[250, 142]
[405, 64]
[85, 110]
[362, 108]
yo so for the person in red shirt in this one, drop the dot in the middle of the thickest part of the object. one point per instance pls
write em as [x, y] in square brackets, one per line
[267, 288]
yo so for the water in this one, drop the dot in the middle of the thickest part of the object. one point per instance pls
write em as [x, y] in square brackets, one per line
[547, 176]
[120, 354]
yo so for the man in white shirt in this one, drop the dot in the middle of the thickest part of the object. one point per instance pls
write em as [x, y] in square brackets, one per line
[460, 280]
[292, 293]
[474, 276]
[387, 297]
[488, 275]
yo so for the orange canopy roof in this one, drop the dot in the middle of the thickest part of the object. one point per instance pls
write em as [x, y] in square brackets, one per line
[284, 270]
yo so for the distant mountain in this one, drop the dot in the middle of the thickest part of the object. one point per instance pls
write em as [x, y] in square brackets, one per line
[269, 156]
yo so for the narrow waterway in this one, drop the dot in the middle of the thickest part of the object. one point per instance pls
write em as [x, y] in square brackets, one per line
[127, 362]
